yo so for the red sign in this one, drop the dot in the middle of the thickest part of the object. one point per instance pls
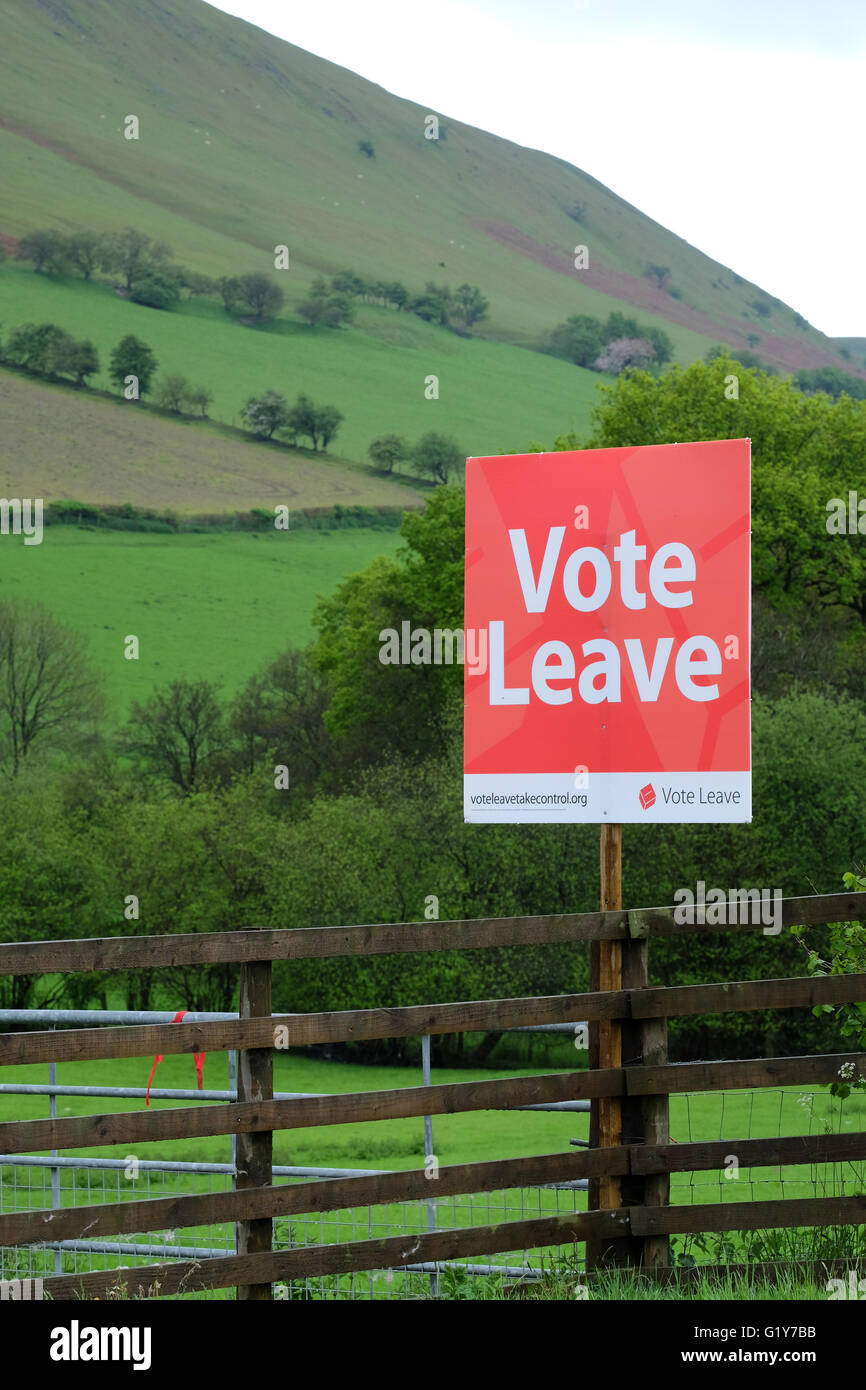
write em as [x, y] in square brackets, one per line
[613, 587]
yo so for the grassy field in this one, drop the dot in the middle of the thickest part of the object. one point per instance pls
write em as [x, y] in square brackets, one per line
[398, 1144]
[493, 398]
[203, 606]
[58, 443]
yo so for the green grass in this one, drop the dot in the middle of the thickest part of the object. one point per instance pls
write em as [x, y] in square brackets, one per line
[493, 397]
[203, 606]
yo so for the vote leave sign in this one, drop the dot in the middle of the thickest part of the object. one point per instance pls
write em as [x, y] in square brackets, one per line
[613, 588]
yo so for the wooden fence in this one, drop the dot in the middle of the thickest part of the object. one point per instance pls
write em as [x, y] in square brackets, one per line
[629, 1219]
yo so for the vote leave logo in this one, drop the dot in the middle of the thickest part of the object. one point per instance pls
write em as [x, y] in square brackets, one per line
[614, 587]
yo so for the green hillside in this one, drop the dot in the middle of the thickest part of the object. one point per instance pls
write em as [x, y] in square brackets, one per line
[247, 142]
[58, 443]
[215, 607]
[492, 396]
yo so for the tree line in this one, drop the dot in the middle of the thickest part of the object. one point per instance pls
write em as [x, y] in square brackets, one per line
[45, 350]
[434, 455]
[332, 301]
[50, 352]
[149, 276]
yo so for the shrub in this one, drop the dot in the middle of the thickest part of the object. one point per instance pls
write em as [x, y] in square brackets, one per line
[156, 291]
[172, 393]
[388, 449]
[266, 414]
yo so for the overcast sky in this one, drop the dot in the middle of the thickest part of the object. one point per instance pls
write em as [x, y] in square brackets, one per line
[738, 124]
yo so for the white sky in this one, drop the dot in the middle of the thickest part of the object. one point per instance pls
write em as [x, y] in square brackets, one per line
[738, 124]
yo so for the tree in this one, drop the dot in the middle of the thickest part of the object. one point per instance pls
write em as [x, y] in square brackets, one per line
[35, 346]
[172, 393]
[46, 249]
[327, 307]
[469, 305]
[347, 282]
[86, 251]
[433, 304]
[388, 449]
[197, 284]
[397, 294]
[134, 255]
[436, 456]
[200, 396]
[366, 148]
[800, 448]
[155, 290]
[301, 419]
[619, 325]
[317, 422]
[376, 710]
[327, 421]
[77, 359]
[660, 273]
[580, 339]
[660, 342]
[624, 352]
[229, 288]
[51, 351]
[255, 294]
[832, 380]
[132, 357]
[48, 690]
[178, 732]
[266, 414]
[279, 717]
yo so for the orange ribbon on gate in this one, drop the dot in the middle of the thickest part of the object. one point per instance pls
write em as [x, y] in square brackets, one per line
[198, 1057]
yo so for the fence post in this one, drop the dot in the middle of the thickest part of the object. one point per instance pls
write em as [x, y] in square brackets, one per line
[428, 1151]
[645, 1119]
[254, 1162]
[605, 1044]
[55, 1172]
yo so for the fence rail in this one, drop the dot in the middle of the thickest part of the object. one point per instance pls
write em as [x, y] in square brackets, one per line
[304, 943]
[631, 1221]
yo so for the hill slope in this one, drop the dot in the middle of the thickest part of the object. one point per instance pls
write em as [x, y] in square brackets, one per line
[247, 142]
[492, 396]
[58, 443]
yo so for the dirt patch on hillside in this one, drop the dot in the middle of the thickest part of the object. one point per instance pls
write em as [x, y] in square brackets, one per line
[641, 294]
[58, 443]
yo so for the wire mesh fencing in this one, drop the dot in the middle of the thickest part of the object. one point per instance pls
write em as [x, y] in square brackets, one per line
[29, 1183]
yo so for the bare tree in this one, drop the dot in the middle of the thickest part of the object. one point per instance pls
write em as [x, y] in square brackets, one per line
[47, 686]
[280, 715]
[178, 732]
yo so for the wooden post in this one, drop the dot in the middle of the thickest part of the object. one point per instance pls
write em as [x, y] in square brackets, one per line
[255, 1150]
[645, 1119]
[605, 1038]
